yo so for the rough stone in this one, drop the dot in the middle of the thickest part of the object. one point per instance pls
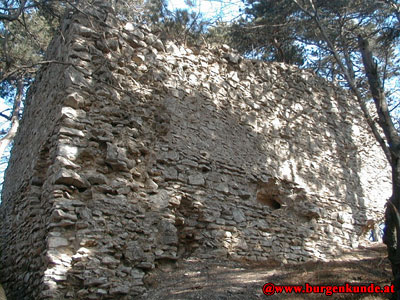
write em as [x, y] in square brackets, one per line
[197, 179]
[69, 177]
[238, 216]
[55, 242]
[137, 154]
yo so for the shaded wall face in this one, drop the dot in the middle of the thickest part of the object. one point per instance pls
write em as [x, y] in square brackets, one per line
[157, 153]
[276, 175]
[26, 196]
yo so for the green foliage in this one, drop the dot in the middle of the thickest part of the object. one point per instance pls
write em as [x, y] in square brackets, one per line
[25, 37]
[23, 43]
[265, 32]
[140, 11]
[219, 34]
[28, 39]
[284, 30]
[182, 25]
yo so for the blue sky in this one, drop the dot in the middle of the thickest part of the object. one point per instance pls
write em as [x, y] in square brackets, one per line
[225, 9]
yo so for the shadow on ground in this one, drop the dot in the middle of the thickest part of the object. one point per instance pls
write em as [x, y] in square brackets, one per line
[218, 279]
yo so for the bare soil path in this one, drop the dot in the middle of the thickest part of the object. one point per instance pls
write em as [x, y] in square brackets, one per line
[223, 280]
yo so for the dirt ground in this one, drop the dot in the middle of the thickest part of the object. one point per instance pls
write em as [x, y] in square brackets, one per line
[217, 279]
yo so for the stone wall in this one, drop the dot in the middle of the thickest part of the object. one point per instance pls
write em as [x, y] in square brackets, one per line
[134, 151]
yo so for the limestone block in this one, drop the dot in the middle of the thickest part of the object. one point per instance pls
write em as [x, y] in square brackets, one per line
[83, 30]
[168, 233]
[160, 200]
[244, 195]
[132, 40]
[74, 100]
[59, 214]
[71, 132]
[109, 261]
[56, 242]
[197, 179]
[138, 33]
[134, 252]
[120, 290]
[90, 282]
[139, 58]
[238, 216]
[74, 114]
[113, 44]
[95, 177]
[69, 177]
[151, 185]
[173, 49]
[170, 173]
[232, 57]
[222, 187]
[158, 44]
[82, 55]
[116, 157]
[129, 26]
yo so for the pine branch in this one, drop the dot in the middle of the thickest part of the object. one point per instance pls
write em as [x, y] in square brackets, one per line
[13, 16]
[371, 123]
[30, 68]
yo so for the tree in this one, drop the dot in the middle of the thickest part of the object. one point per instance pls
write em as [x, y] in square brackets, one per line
[265, 32]
[350, 42]
[390, 141]
[25, 32]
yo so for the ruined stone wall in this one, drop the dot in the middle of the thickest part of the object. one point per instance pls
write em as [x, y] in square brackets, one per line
[135, 151]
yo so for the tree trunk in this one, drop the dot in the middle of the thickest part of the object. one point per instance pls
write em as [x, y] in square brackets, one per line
[392, 217]
[390, 144]
[8, 138]
[391, 235]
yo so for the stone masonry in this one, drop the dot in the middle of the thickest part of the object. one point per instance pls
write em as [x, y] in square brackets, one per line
[133, 151]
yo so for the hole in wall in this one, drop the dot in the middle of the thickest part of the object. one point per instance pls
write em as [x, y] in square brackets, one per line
[186, 214]
[269, 200]
[205, 169]
[270, 194]
[41, 167]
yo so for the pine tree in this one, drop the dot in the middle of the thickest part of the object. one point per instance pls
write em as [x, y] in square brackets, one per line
[354, 43]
